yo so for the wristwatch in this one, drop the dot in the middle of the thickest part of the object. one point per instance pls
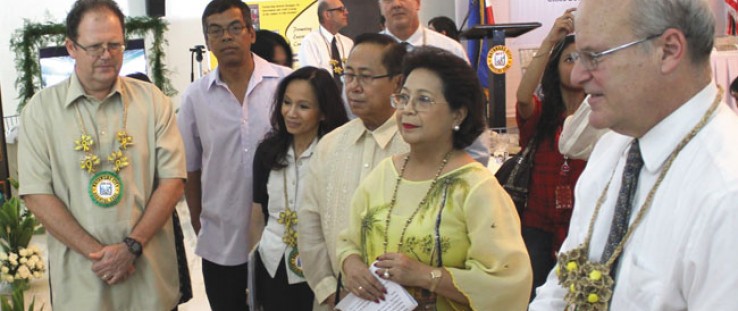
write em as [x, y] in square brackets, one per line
[133, 246]
[436, 275]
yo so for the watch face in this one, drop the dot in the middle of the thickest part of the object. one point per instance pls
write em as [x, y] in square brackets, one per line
[133, 246]
[136, 248]
[436, 274]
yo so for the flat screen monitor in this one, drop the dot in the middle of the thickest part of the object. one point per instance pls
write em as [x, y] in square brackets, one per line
[57, 65]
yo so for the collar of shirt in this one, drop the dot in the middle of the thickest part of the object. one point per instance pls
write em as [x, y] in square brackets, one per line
[327, 35]
[76, 90]
[416, 39]
[262, 69]
[305, 154]
[382, 135]
[658, 143]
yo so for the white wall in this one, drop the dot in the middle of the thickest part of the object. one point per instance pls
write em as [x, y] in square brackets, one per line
[11, 19]
[185, 32]
[432, 8]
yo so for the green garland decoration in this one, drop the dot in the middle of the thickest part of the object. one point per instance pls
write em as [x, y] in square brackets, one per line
[27, 40]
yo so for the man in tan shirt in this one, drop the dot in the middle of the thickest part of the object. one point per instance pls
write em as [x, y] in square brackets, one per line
[101, 164]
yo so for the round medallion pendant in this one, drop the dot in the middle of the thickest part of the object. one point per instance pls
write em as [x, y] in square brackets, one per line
[105, 189]
[295, 263]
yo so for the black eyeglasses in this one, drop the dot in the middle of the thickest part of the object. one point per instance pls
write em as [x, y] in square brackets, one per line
[216, 31]
[590, 60]
[362, 79]
[340, 8]
[97, 50]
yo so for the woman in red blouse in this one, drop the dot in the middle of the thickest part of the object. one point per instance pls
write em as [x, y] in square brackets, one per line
[545, 220]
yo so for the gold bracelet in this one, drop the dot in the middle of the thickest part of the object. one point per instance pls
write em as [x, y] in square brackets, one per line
[436, 275]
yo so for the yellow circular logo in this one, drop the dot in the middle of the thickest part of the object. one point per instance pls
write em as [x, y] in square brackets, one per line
[499, 59]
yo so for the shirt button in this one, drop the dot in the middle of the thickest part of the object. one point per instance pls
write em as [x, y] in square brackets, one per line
[246, 150]
[366, 165]
[102, 133]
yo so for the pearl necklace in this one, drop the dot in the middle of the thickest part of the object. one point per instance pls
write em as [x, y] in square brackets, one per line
[422, 202]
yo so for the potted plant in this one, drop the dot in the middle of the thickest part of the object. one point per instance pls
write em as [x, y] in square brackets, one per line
[19, 262]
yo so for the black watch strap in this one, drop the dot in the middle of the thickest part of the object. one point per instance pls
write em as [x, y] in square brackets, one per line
[134, 246]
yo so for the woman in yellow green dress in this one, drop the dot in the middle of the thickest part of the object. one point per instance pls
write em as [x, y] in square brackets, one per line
[434, 220]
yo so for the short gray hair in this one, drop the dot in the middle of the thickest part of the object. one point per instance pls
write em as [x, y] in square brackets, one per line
[693, 17]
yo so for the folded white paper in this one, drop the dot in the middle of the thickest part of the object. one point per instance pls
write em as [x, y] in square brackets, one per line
[396, 299]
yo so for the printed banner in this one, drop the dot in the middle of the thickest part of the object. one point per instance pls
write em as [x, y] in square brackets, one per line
[293, 19]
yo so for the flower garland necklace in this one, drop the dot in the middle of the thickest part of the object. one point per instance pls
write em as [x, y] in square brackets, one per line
[288, 218]
[420, 205]
[590, 283]
[105, 187]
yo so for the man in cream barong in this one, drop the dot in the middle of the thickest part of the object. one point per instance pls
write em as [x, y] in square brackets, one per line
[345, 156]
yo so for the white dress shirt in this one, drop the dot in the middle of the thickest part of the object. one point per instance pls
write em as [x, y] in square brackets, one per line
[424, 36]
[315, 49]
[271, 247]
[683, 253]
[221, 136]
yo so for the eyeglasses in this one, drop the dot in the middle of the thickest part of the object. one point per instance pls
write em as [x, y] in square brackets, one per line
[590, 60]
[362, 79]
[340, 8]
[97, 50]
[233, 29]
[402, 101]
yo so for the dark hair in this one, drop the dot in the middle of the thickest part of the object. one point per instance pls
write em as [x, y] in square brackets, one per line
[734, 85]
[220, 6]
[322, 6]
[139, 76]
[443, 23]
[80, 7]
[553, 106]
[266, 41]
[278, 140]
[393, 52]
[460, 87]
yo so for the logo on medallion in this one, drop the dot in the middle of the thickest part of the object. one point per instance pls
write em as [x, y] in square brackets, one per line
[499, 59]
[105, 189]
[295, 263]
